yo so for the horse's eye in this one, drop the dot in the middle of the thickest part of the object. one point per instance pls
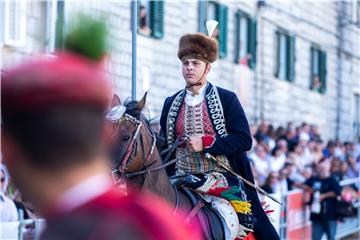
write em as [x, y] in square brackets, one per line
[125, 138]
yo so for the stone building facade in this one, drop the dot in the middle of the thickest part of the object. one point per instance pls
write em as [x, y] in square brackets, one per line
[288, 45]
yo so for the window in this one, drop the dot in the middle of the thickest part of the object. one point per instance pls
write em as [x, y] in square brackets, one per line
[355, 12]
[60, 24]
[318, 70]
[51, 8]
[245, 40]
[210, 10]
[285, 62]
[151, 18]
[14, 23]
[211, 13]
[2, 13]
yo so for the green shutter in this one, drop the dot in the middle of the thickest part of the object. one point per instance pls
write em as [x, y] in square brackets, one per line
[237, 37]
[252, 42]
[312, 57]
[157, 19]
[323, 71]
[138, 16]
[60, 21]
[290, 58]
[277, 69]
[312, 52]
[202, 16]
[223, 12]
[48, 16]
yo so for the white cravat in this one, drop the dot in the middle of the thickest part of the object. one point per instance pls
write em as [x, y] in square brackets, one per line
[192, 99]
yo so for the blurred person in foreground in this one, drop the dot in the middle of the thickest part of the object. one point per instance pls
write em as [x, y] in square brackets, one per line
[324, 190]
[52, 126]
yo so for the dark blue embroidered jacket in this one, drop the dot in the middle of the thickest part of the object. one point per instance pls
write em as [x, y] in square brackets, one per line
[233, 139]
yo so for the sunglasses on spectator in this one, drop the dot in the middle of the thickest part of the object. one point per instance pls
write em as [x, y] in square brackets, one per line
[2, 180]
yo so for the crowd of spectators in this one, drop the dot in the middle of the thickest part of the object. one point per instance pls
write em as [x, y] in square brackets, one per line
[283, 158]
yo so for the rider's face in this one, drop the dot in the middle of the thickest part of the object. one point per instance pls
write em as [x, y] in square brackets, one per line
[193, 70]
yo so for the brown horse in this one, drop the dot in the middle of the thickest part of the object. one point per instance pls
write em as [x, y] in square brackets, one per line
[136, 158]
[134, 150]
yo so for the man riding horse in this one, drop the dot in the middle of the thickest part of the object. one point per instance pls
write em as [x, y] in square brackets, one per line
[209, 119]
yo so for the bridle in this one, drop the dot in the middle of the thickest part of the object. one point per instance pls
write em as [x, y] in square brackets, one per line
[120, 169]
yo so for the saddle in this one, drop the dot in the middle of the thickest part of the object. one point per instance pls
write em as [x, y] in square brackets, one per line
[210, 220]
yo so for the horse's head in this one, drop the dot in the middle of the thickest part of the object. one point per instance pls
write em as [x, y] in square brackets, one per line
[131, 141]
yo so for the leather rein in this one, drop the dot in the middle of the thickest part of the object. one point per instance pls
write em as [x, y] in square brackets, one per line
[121, 167]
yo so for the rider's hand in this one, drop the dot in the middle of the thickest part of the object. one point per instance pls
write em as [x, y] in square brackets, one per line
[195, 144]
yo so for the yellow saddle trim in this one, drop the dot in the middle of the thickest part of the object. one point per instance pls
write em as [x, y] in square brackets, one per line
[241, 207]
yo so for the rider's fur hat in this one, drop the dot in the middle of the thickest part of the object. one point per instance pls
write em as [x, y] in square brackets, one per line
[198, 46]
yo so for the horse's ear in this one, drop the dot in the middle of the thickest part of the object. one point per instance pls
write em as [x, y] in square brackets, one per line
[115, 100]
[141, 104]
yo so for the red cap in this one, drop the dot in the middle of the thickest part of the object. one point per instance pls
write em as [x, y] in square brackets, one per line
[66, 78]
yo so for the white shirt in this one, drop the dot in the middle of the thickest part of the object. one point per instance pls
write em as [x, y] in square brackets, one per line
[281, 187]
[261, 167]
[83, 192]
[192, 99]
[305, 159]
[8, 211]
[277, 163]
[271, 143]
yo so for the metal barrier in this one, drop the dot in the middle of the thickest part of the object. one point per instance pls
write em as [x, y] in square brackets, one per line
[22, 229]
[292, 218]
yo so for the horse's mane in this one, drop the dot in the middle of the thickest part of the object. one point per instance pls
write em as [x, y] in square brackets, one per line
[133, 110]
